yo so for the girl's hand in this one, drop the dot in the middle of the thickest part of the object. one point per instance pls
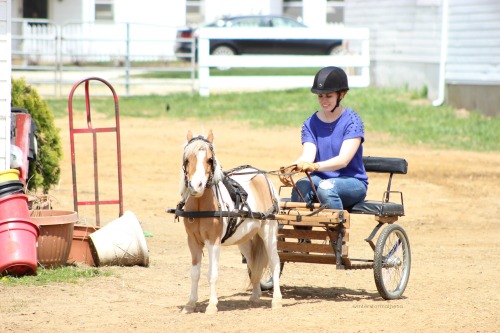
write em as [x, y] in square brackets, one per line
[307, 166]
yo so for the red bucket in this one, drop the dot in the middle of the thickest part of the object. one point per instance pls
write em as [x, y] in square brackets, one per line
[18, 247]
[14, 206]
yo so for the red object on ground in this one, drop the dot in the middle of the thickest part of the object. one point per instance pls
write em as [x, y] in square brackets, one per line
[18, 237]
[18, 246]
[22, 140]
[14, 206]
[94, 131]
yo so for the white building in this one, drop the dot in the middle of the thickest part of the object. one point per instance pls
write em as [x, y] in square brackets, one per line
[452, 47]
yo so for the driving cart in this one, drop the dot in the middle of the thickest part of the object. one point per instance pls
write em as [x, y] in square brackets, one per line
[309, 233]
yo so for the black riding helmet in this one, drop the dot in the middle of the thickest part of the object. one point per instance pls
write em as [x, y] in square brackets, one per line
[330, 79]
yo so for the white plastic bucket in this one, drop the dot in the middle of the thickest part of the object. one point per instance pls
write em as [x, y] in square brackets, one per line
[121, 243]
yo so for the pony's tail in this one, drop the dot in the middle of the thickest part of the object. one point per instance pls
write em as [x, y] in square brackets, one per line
[259, 261]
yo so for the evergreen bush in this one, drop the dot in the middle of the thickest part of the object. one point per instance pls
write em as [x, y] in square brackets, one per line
[45, 172]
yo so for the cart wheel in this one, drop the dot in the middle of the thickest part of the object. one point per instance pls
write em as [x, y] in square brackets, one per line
[392, 261]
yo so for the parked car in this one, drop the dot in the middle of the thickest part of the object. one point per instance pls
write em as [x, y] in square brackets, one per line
[257, 46]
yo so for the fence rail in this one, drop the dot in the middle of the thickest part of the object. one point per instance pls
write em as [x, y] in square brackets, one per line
[55, 56]
[354, 58]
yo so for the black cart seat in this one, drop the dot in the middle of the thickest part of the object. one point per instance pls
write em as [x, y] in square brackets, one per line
[383, 207]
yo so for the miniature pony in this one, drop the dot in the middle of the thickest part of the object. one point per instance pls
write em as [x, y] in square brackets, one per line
[210, 219]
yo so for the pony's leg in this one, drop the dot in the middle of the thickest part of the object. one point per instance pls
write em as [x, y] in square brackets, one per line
[196, 255]
[213, 274]
[269, 235]
[246, 250]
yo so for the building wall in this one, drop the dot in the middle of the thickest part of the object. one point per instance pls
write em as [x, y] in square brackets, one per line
[65, 11]
[215, 9]
[405, 47]
[473, 66]
[5, 85]
[474, 42]
[404, 41]
[156, 12]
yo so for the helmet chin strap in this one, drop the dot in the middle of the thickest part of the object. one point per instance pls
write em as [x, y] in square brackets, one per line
[338, 103]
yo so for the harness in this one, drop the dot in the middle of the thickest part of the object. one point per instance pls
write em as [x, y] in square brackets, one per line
[238, 196]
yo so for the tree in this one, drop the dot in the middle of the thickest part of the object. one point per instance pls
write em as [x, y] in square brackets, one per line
[45, 171]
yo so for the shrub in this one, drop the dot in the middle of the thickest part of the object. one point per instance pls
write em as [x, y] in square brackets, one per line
[45, 172]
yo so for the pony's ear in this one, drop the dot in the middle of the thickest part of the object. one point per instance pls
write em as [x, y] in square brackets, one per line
[210, 136]
[189, 135]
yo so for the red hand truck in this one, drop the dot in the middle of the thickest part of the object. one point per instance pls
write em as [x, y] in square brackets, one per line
[94, 131]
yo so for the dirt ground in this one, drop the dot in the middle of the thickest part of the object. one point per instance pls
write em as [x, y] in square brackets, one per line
[452, 220]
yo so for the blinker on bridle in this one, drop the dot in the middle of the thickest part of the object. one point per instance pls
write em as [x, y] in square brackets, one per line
[211, 161]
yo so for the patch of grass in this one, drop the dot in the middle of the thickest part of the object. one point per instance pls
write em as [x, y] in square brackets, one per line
[417, 121]
[65, 274]
[164, 75]
[231, 72]
[265, 71]
[398, 112]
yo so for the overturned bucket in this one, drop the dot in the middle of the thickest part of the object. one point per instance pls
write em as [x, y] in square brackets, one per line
[120, 243]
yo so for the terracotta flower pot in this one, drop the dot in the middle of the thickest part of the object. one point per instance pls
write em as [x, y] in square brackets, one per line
[80, 249]
[56, 235]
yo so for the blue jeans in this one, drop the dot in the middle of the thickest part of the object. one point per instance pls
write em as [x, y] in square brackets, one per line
[336, 193]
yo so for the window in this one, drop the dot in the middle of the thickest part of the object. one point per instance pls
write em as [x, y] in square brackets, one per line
[248, 23]
[281, 22]
[104, 10]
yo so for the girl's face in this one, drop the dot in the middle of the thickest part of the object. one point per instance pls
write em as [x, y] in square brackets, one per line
[327, 101]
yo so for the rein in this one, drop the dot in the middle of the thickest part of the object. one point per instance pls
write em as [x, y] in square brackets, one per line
[258, 171]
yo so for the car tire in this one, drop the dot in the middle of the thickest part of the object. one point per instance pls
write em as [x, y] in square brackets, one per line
[223, 50]
[337, 50]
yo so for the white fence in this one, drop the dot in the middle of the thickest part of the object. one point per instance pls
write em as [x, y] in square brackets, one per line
[61, 53]
[41, 41]
[53, 57]
[355, 58]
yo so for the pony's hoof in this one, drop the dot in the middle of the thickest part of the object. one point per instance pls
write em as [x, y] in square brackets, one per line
[277, 305]
[211, 309]
[254, 299]
[188, 309]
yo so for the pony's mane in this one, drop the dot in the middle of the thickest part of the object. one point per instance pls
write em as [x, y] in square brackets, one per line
[191, 148]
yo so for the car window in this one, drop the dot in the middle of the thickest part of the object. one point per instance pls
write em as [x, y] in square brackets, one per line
[280, 22]
[251, 22]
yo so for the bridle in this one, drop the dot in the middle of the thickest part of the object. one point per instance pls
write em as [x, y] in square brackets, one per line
[211, 161]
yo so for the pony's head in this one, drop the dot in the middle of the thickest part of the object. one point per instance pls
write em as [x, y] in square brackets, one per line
[200, 167]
